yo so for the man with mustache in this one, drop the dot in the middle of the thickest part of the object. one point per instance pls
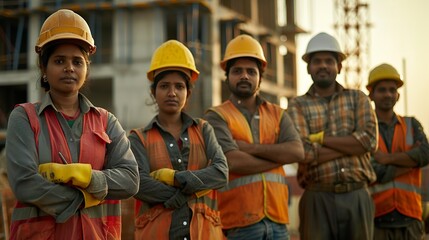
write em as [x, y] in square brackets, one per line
[258, 138]
[338, 128]
[403, 151]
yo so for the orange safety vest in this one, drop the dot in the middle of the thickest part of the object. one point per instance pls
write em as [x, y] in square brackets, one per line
[249, 198]
[403, 193]
[98, 222]
[153, 221]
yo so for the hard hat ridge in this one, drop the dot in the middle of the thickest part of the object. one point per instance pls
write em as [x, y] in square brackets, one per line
[383, 72]
[173, 55]
[243, 46]
[65, 25]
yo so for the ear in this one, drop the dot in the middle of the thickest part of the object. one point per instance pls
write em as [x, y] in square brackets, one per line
[397, 99]
[308, 68]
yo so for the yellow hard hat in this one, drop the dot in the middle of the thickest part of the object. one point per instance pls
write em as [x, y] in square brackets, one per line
[173, 55]
[323, 42]
[383, 72]
[243, 46]
[65, 24]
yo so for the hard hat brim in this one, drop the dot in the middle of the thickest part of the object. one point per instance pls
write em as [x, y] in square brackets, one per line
[306, 56]
[67, 38]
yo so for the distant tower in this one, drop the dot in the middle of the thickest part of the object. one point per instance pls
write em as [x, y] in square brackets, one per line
[352, 26]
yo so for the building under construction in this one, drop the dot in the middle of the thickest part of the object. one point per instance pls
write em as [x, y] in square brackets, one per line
[127, 32]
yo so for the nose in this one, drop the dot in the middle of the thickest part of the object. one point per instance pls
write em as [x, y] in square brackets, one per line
[244, 75]
[172, 92]
[69, 68]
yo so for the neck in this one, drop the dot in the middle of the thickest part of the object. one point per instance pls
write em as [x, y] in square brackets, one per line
[384, 116]
[247, 103]
[68, 105]
[325, 92]
[170, 120]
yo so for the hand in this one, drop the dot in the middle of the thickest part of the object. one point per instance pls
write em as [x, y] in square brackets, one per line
[90, 200]
[164, 175]
[317, 137]
[78, 174]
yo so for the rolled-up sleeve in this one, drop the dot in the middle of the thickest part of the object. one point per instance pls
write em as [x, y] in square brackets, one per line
[366, 126]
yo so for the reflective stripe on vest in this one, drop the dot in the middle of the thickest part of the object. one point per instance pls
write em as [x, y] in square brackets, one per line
[248, 198]
[153, 222]
[91, 223]
[238, 182]
[404, 192]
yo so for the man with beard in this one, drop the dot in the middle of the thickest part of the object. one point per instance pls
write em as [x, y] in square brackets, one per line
[403, 151]
[258, 138]
[339, 130]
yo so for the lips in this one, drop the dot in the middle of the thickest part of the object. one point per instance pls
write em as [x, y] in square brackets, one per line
[68, 78]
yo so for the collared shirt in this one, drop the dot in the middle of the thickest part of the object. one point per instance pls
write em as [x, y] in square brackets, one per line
[118, 179]
[213, 176]
[347, 112]
[224, 136]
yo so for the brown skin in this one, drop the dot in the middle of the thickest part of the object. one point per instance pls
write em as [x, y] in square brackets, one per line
[324, 68]
[385, 95]
[243, 80]
[66, 73]
[171, 95]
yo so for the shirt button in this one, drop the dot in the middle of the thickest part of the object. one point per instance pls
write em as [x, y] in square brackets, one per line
[185, 223]
[186, 139]
[185, 238]
[71, 139]
[171, 145]
[342, 170]
[179, 160]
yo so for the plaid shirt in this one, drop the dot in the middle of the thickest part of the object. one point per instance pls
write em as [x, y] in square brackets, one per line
[346, 112]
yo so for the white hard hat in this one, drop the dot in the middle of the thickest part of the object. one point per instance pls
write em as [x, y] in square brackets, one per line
[323, 42]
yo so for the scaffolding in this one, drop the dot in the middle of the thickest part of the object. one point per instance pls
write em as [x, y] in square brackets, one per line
[352, 25]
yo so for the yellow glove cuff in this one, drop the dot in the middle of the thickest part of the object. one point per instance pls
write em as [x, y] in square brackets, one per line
[164, 175]
[90, 200]
[317, 137]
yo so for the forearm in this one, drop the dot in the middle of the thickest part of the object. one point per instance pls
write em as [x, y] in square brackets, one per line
[347, 145]
[328, 154]
[283, 153]
[243, 163]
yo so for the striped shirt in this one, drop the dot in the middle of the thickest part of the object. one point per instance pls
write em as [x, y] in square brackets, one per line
[346, 112]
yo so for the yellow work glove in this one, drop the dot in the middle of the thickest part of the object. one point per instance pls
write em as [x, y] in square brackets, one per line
[317, 137]
[202, 193]
[78, 174]
[90, 200]
[164, 175]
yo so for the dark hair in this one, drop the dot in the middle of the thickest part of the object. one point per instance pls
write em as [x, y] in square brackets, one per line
[162, 75]
[44, 58]
[231, 62]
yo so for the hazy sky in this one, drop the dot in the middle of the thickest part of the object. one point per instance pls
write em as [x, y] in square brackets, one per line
[399, 34]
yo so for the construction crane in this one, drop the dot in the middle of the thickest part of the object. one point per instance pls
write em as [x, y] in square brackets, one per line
[352, 26]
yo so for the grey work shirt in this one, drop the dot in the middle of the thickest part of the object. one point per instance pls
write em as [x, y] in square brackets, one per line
[118, 180]
[225, 138]
[151, 191]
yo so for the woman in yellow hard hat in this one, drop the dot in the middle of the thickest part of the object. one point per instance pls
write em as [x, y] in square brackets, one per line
[69, 162]
[180, 161]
